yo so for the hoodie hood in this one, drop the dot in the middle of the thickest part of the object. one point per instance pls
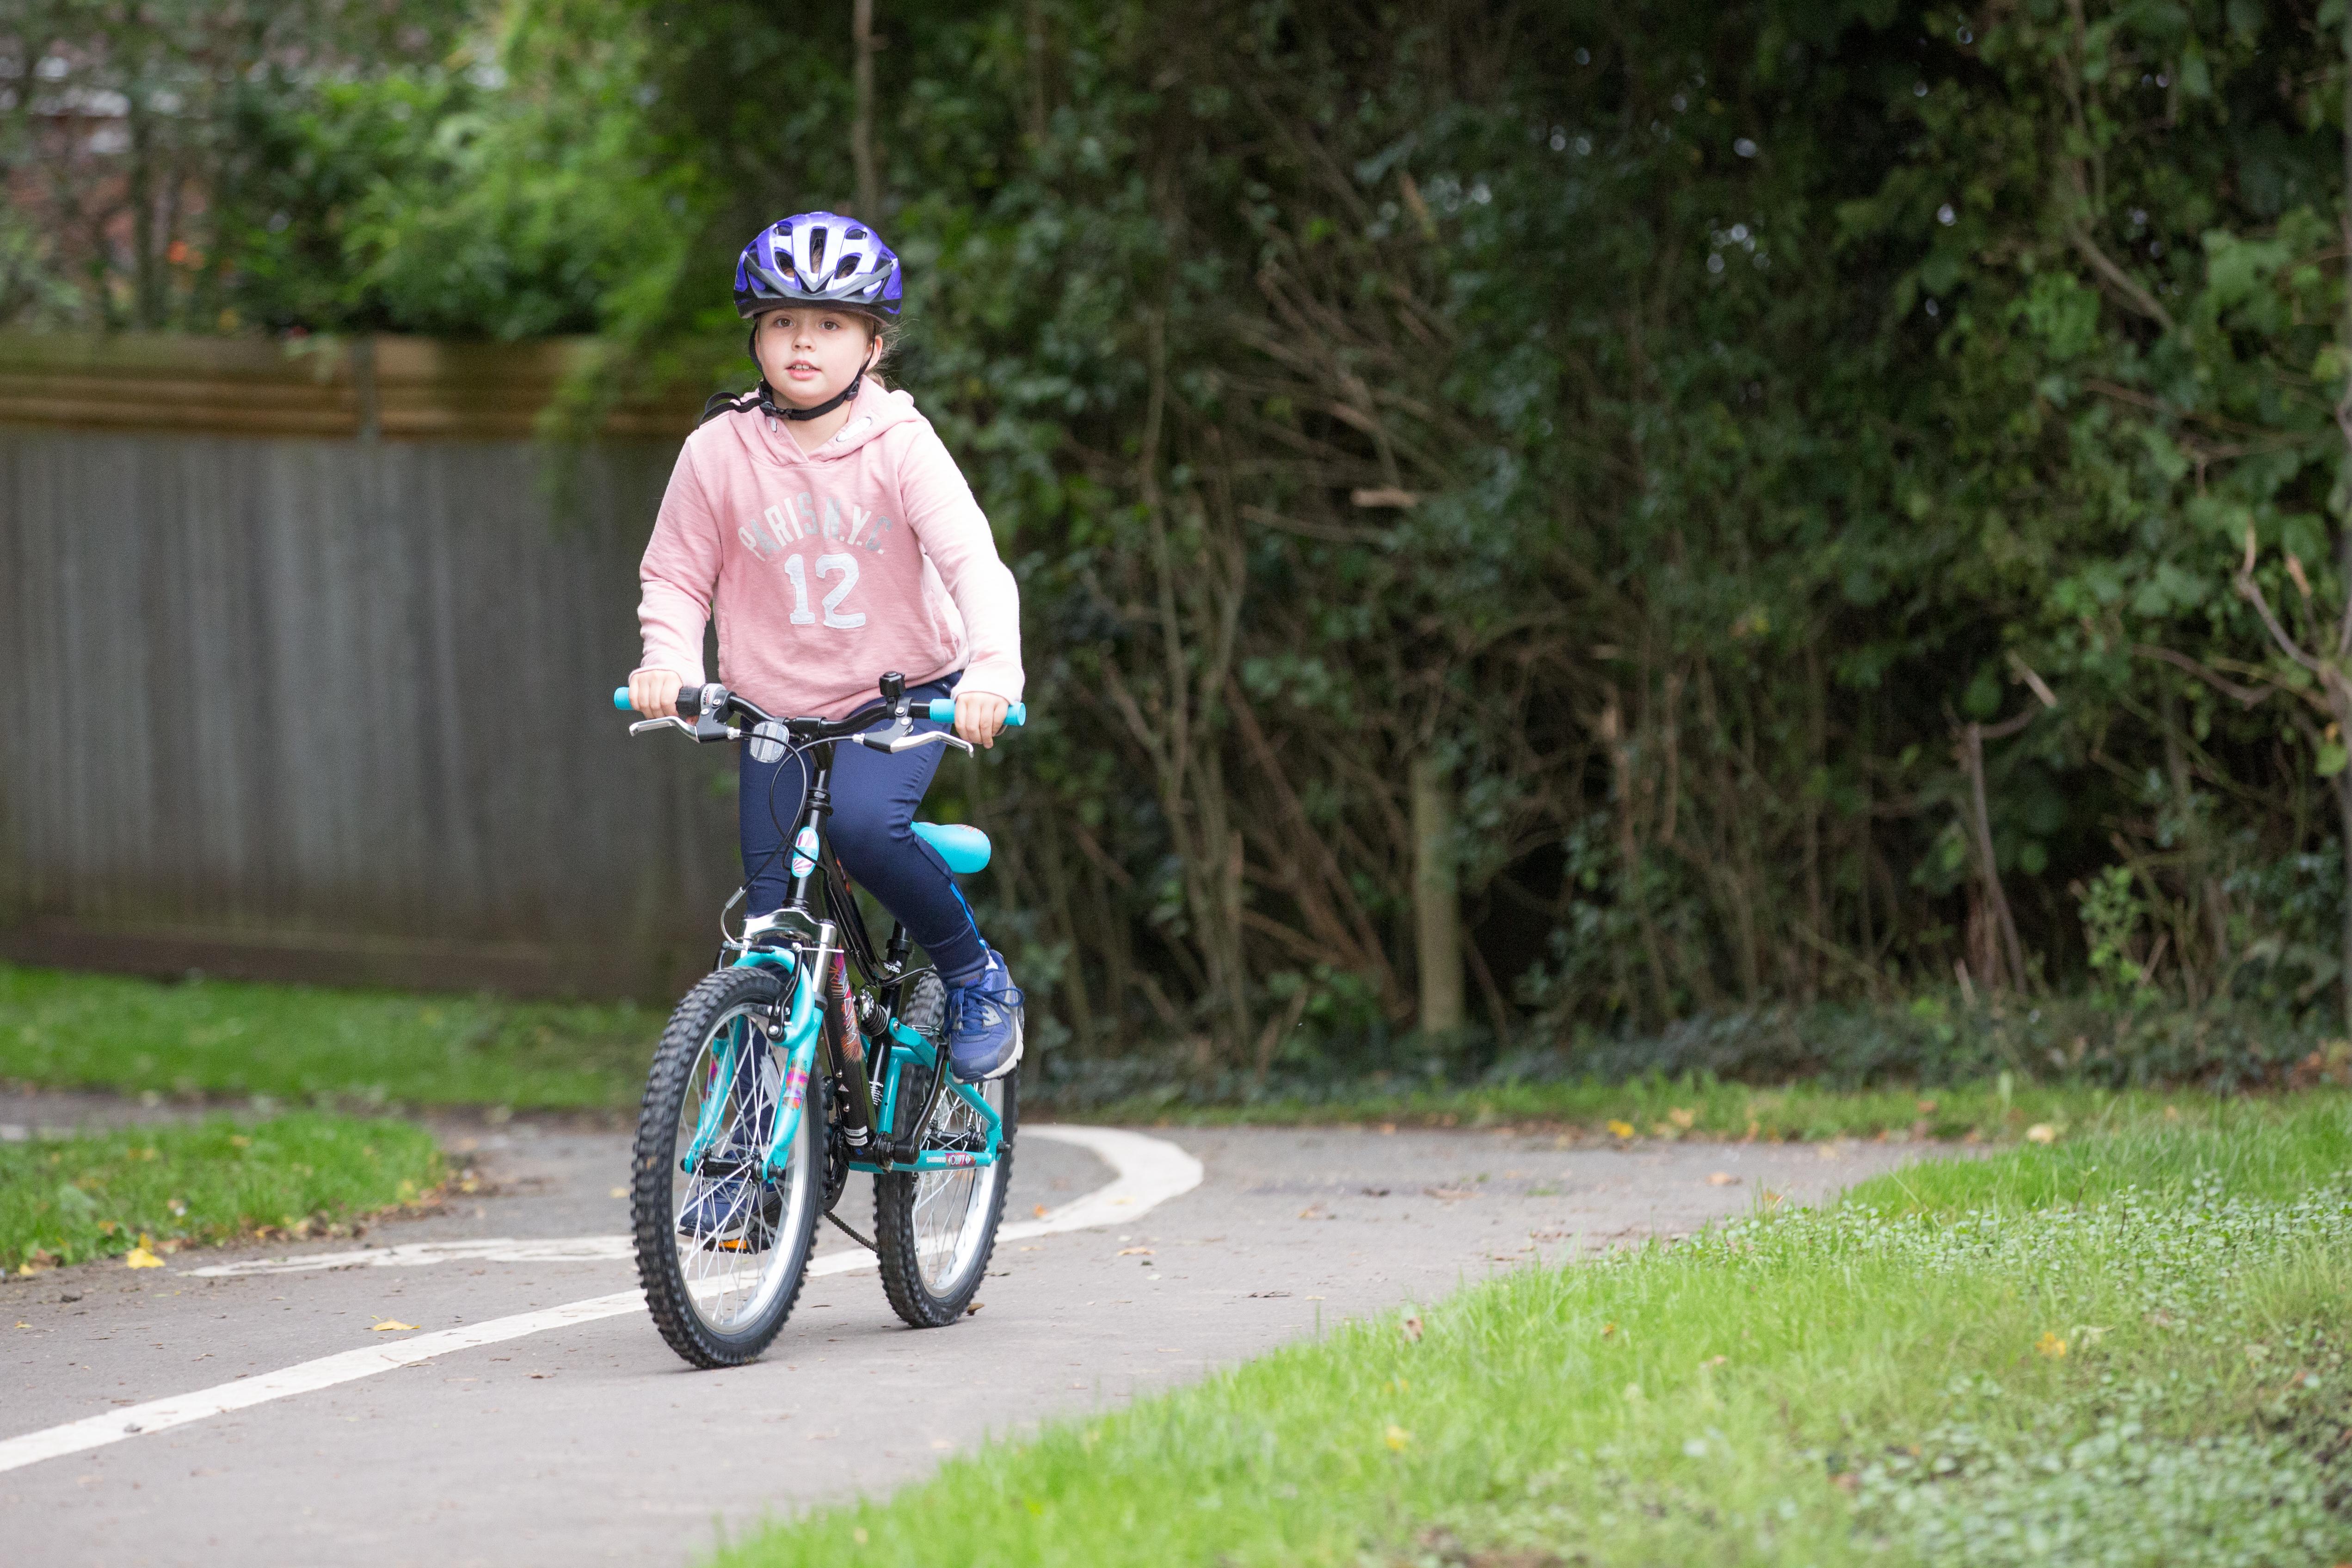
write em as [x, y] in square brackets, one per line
[827, 568]
[872, 413]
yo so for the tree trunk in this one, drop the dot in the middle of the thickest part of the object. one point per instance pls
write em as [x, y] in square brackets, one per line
[1629, 857]
[2342, 704]
[1437, 900]
[861, 124]
[146, 291]
[1034, 25]
[2341, 786]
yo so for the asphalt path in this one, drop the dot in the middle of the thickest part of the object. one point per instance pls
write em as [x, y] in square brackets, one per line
[590, 1442]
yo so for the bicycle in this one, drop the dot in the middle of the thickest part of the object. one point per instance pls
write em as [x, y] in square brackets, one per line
[777, 1076]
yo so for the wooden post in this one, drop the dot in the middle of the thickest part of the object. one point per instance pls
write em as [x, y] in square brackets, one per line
[1436, 901]
[363, 390]
[1971, 750]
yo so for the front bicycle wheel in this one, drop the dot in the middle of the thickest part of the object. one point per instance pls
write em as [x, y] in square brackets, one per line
[935, 1230]
[723, 1248]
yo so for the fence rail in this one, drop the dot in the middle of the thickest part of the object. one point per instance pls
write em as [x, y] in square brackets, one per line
[331, 706]
[361, 387]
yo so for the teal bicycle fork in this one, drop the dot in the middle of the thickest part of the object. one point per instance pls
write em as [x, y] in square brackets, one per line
[736, 1067]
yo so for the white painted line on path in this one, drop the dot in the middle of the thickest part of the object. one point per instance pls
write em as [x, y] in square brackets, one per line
[1151, 1172]
[416, 1254]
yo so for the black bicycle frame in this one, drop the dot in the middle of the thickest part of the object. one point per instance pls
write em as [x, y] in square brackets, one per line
[823, 890]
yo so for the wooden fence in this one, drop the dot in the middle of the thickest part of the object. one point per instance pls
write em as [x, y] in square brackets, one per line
[299, 682]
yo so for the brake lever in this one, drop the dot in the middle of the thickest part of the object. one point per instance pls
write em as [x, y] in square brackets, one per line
[898, 743]
[692, 731]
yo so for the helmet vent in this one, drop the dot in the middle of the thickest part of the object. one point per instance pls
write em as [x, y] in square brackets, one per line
[816, 253]
[848, 264]
[854, 233]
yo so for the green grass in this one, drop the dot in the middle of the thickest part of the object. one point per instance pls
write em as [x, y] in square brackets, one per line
[1698, 1106]
[68, 1030]
[73, 1199]
[2125, 1348]
[61, 1030]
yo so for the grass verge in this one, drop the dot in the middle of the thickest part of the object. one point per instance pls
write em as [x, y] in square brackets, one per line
[104, 1195]
[66, 1030]
[2125, 1348]
[62, 1030]
[1698, 1105]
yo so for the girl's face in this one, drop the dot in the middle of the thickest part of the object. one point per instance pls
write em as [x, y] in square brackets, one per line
[809, 353]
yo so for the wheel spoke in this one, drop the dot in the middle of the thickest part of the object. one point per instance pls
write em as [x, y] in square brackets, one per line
[733, 1258]
[951, 1207]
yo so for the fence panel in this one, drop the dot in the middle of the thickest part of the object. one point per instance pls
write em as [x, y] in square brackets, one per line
[335, 709]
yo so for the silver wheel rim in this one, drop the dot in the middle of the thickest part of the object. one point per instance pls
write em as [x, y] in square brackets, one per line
[740, 1259]
[952, 1207]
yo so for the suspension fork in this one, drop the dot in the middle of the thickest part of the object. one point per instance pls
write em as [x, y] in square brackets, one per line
[801, 1035]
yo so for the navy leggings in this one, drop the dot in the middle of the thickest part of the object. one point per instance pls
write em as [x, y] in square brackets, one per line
[873, 798]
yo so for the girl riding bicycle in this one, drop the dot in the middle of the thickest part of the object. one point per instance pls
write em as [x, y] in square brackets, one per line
[821, 520]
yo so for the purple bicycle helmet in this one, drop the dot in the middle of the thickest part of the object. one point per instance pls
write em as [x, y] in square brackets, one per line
[813, 259]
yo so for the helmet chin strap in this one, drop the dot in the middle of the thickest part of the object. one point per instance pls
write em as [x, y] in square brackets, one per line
[775, 410]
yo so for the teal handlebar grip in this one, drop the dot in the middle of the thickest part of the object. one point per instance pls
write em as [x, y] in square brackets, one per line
[620, 699]
[942, 711]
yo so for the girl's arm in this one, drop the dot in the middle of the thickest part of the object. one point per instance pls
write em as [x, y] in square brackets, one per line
[954, 533]
[677, 577]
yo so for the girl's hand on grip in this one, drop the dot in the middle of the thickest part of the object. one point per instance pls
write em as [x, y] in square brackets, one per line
[979, 716]
[654, 692]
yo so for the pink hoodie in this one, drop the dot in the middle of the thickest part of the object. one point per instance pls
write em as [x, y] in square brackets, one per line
[828, 569]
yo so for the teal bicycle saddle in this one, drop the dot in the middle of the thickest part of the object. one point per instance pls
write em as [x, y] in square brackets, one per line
[965, 849]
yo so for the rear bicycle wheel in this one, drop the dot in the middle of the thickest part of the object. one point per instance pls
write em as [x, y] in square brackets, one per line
[722, 1248]
[935, 1230]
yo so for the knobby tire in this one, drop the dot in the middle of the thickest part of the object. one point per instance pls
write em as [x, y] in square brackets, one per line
[655, 1159]
[919, 1303]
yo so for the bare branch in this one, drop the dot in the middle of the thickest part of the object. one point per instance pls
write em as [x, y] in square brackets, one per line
[2245, 696]
[2252, 592]
[2135, 293]
[2010, 726]
[2025, 673]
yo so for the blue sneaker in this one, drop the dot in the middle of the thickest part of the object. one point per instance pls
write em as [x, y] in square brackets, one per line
[984, 1024]
[737, 1212]
[728, 1216]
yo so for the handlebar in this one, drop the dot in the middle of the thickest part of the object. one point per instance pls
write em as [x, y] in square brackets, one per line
[941, 710]
[705, 712]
